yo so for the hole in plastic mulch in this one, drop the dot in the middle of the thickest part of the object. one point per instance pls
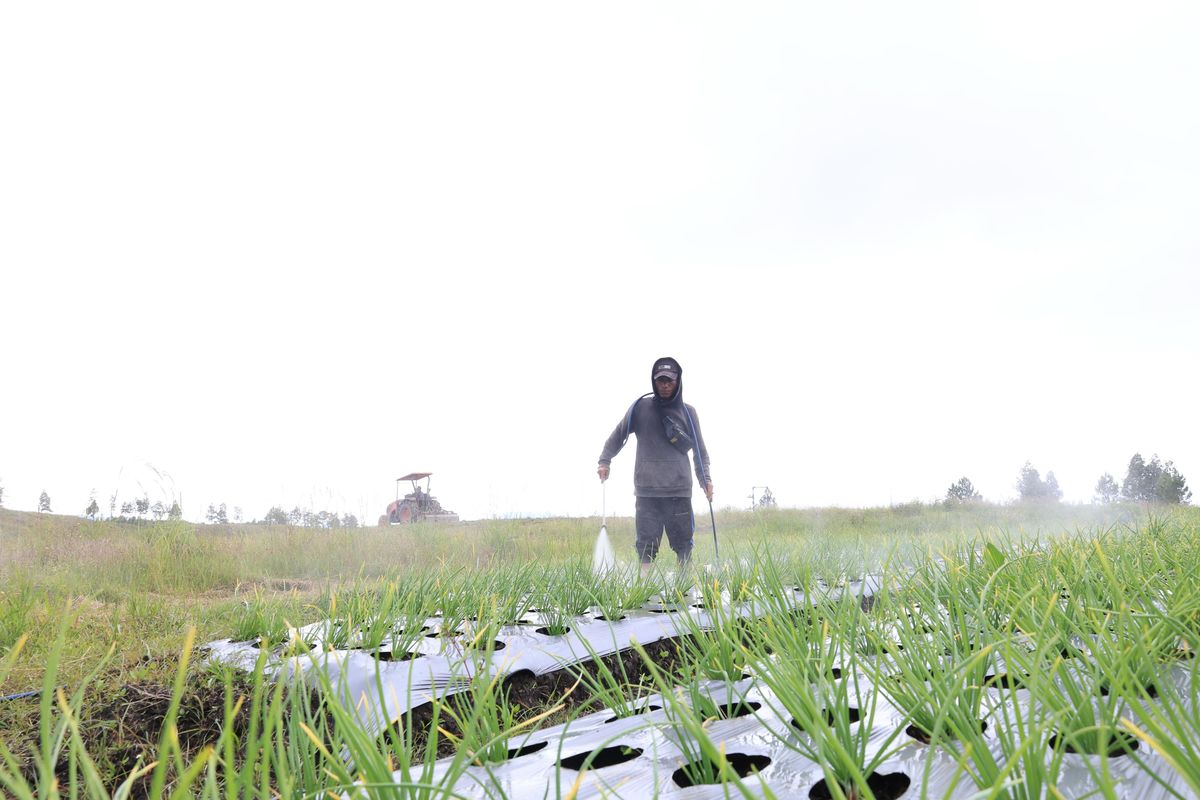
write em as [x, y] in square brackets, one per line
[387, 655]
[458, 639]
[257, 642]
[741, 763]
[391, 655]
[1005, 680]
[642, 710]
[603, 618]
[1120, 743]
[528, 749]
[546, 630]
[729, 710]
[883, 787]
[921, 736]
[608, 757]
[852, 715]
[1149, 688]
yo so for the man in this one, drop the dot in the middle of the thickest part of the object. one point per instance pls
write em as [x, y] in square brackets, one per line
[666, 429]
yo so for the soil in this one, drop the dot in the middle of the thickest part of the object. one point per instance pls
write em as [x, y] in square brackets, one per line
[533, 694]
[743, 764]
[122, 727]
[883, 787]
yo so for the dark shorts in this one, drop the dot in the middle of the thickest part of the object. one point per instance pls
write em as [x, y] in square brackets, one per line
[672, 514]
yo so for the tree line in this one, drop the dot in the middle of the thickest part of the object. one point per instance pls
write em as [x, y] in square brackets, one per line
[1152, 481]
[307, 518]
[219, 514]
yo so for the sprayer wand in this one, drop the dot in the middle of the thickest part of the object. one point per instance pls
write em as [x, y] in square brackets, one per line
[704, 480]
[713, 517]
[604, 504]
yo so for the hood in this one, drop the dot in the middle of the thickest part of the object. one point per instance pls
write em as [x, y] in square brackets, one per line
[670, 363]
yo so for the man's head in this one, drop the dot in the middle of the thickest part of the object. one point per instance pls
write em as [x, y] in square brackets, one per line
[666, 378]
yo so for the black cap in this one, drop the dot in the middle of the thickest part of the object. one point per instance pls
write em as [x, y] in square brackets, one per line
[665, 369]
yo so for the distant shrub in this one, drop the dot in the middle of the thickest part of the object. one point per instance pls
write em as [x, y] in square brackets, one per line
[962, 491]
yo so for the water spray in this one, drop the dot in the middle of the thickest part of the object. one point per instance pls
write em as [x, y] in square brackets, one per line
[604, 560]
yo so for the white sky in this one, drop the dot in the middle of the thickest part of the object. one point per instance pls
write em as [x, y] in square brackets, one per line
[287, 252]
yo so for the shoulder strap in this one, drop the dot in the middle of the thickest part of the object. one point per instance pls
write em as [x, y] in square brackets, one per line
[629, 417]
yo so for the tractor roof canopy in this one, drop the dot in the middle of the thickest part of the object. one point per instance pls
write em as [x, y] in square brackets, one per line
[415, 476]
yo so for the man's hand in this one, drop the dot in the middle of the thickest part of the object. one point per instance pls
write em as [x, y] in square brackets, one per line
[602, 471]
[708, 490]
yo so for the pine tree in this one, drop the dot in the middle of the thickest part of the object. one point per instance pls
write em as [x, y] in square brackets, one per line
[1154, 482]
[1171, 486]
[1138, 483]
[1052, 492]
[1030, 483]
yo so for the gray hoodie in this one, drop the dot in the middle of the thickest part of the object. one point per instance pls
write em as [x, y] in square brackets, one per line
[660, 468]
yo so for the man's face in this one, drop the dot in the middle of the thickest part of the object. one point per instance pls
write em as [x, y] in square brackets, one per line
[665, 387]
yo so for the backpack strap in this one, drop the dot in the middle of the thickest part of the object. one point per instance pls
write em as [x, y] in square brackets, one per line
[629, 417]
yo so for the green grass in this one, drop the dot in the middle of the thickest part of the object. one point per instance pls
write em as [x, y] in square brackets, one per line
[134, 592]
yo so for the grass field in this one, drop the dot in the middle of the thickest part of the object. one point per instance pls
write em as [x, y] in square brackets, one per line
[135, 601]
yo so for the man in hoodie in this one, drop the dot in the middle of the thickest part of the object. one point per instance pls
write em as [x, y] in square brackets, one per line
[666, 429]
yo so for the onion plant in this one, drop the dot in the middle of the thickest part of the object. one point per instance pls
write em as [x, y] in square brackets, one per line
[260, 621]
[617, 591]
[716, 643]
[564, 595]
[1169, 724]
[690, 713]
[1025, 767]
[800, 677]
[935, 678]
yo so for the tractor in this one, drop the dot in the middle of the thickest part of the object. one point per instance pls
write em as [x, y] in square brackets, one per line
[417, 505]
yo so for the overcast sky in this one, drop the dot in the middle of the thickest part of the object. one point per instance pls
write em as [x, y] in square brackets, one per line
[283, 253]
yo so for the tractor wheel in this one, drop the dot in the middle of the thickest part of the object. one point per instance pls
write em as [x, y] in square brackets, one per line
[404, 514]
